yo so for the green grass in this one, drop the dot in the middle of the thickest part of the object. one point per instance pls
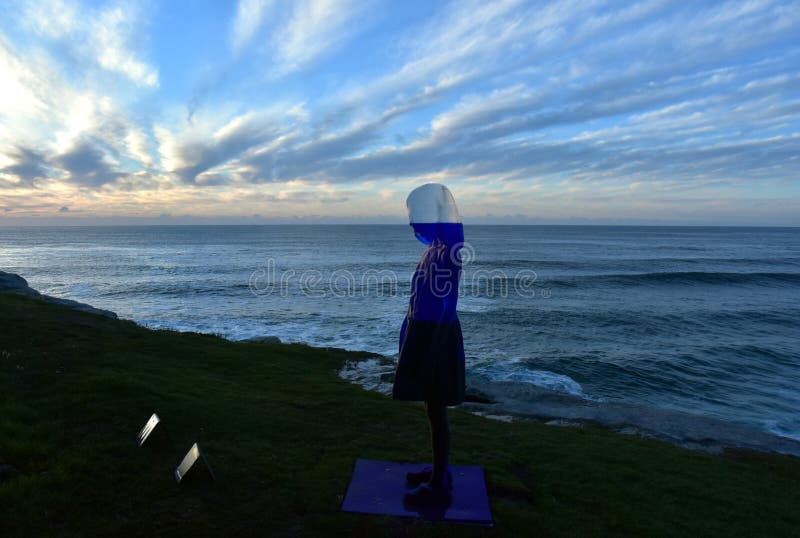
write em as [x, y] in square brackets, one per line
[282, 431]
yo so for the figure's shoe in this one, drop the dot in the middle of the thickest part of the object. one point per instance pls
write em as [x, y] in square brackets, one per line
[414, 479]
[428, 497]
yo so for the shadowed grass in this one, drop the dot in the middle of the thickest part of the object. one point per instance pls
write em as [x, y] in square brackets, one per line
[282, 432]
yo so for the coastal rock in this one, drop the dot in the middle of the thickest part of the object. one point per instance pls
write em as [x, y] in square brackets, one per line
[263, 339]
[12, 283]
[684, 429]
[83, 307]
[15, 284]
[475, 395]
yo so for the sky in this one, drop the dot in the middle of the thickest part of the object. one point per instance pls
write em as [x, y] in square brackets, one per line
[583, 111]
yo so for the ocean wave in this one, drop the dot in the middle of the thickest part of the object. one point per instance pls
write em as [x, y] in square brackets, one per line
[674, 278]
[777, 428]
[621, 263]
[540, 378]
[178, 289]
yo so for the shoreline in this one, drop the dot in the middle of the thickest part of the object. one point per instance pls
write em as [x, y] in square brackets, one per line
[511, 400]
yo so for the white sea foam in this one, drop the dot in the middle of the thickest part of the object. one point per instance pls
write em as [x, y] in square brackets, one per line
[493, 416]
[369, 374]
[540, 378]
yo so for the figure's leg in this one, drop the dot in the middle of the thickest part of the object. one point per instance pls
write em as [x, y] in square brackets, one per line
[436, 493]
[440, 441]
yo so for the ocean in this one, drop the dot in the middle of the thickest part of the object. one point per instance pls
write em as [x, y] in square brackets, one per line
[701, 320]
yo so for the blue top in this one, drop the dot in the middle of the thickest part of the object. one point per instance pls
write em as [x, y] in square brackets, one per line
[434, 286]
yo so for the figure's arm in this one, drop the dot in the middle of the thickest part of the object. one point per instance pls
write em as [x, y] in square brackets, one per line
[446, 279]
[450, 301]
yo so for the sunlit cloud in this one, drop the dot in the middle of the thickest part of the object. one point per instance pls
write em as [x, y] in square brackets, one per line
[250, 15]
[104, 35]
[295, 33]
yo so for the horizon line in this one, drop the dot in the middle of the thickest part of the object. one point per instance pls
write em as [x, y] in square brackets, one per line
[498, 224]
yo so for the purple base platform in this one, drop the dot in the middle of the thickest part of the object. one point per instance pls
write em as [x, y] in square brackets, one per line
[378, 487]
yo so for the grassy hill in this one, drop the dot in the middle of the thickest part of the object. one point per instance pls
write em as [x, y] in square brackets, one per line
[283, 432]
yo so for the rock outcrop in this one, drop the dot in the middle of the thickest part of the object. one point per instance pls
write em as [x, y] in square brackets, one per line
[11, 283]
[263, 339]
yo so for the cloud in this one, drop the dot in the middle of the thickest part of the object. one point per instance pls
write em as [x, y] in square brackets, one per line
[315, 27]
[249, 16]
[87, 164]
[110, 35]
[26, 166]
[299, 32]
[52, 18]
[205, 146]
[106, 36]
[136, 145]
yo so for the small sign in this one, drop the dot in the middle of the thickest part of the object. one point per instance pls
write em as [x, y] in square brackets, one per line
[188, 462]
[148, 429]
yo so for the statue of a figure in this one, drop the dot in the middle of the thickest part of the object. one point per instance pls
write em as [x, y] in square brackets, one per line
[431, 363]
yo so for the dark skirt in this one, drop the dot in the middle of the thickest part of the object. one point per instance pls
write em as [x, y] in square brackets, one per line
[431, 363]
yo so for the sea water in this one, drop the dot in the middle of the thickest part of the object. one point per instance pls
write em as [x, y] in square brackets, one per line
[701, 320]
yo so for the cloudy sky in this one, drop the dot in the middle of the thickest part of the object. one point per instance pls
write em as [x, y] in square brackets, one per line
[332, 110]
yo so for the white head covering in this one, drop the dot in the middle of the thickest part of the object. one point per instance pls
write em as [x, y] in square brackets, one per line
[432, 203]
